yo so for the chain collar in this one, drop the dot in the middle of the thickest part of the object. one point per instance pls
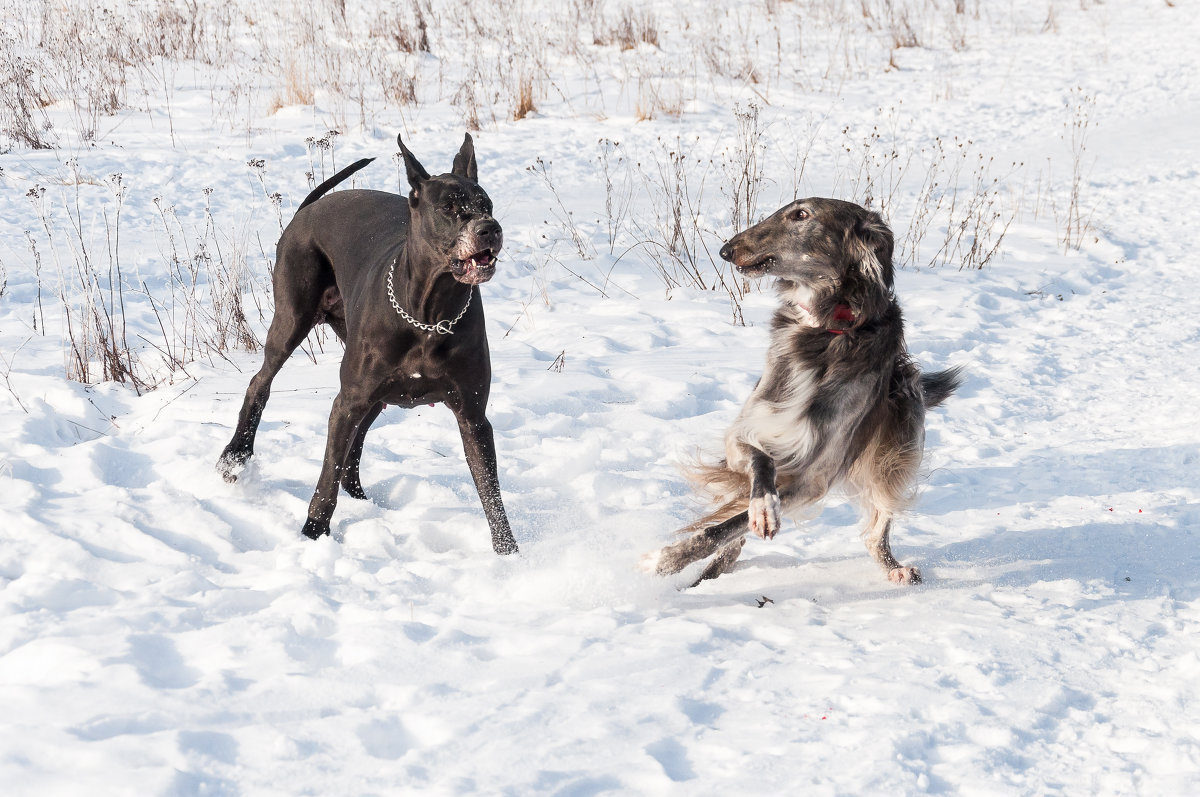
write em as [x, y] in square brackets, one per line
[442, 327]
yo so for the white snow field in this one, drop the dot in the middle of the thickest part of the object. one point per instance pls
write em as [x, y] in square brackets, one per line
[165, 633]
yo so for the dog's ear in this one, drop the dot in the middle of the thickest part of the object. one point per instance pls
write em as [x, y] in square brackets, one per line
[464, 161]
[875, 244]
[416, 172]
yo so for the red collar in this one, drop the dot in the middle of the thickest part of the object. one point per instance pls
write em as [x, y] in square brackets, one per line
[840, 313]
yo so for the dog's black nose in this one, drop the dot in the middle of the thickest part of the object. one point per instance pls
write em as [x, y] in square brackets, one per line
[727, 252]
[489, 230]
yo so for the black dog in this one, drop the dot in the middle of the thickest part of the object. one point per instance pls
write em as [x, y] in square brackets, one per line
[839, 402]
[395, 278]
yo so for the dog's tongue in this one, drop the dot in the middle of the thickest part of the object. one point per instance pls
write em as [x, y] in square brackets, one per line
[478, 261]
[476, 268]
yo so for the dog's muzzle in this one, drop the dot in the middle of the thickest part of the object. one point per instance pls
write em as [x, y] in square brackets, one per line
[478, 250]
[743, 262]
[756, 269]
[476, 269]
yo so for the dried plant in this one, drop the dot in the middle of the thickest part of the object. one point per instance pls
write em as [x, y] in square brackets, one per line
[1077, 222]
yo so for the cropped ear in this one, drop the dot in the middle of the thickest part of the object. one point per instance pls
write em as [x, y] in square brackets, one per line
[464, 161]
[874, 244]
[416, 172]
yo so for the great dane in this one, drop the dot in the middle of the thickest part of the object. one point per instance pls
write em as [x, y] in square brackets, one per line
[397, 280]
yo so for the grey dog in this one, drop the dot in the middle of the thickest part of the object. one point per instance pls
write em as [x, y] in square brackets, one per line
[397, 279]
[840, 401]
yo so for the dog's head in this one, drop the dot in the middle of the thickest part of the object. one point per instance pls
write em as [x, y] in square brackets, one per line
[820, 248]
[452, 215]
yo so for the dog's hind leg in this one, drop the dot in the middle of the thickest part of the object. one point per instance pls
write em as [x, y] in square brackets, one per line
[304, 291]
[288, 330]
[884, 477]
[351, 481]
[723, 562]
[701, 545]
[877, 537]
[726, 537]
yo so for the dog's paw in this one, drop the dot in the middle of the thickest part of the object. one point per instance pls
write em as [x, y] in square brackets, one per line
[648, 563]
[354, 489]
[231, 465]
[504, 545]
[673, 558]
[904, 575]
[314, 529]
[664, 562]
[764, 516]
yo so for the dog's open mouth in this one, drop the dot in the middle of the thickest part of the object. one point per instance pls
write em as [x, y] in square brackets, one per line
[757, 268]
[478, 268]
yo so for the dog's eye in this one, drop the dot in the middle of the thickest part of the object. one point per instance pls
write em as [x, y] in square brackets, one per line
[800, 215]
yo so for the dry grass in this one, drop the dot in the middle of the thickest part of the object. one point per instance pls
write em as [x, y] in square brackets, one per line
[632, 28]
[364, 63]
[73, 64]
[524, 101]
[297, 89]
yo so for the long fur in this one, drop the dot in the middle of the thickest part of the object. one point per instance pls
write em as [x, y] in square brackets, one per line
[840, 402]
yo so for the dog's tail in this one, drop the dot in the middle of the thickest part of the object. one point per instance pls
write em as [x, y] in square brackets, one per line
[727, 490]
[938, 386]
[324, 187]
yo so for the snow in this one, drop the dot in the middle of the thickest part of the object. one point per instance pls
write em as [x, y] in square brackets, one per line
[163, 632]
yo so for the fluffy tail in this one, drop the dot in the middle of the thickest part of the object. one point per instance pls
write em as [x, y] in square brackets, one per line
[938, 386]
[324, 187]
[727, 490]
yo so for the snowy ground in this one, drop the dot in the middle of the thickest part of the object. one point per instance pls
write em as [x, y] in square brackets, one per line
[162, 632]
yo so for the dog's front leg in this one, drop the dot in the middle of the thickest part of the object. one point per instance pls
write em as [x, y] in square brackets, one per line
[348, 413]
[764, 507]
[479, 445]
